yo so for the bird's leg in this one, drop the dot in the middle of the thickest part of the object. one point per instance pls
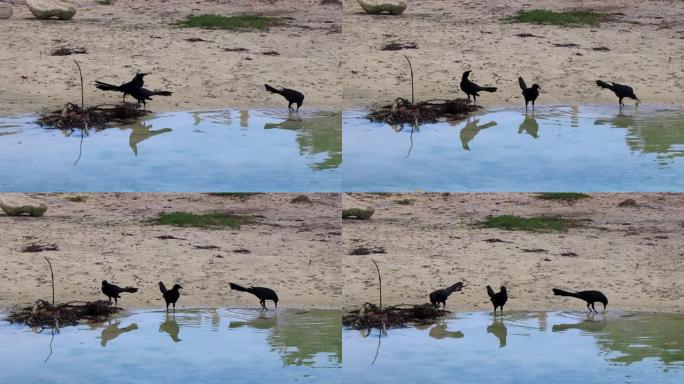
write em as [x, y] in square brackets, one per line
[263, 304]
[533, 105]
[588, 307]
[594, 308]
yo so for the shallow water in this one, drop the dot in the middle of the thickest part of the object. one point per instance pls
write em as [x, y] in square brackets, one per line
[236, 151]
[586, 148]
[522, 347]
[195, 346]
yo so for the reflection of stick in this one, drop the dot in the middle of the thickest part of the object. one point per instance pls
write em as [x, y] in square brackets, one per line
[379, 280]
[377, 350]
[52, 275]
[51, 340]
[82, 94]
[411, 68]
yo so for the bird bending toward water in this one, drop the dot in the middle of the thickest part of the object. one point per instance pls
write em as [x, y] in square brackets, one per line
[591, 297]
[292, 96]
[621, 91]
[261, 293]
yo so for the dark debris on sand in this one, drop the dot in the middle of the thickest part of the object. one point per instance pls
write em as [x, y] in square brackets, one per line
[403, 111]
[371, 316]
[43, 315]
[74, 117]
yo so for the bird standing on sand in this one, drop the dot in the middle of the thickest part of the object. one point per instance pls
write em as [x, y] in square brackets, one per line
[591, 297]
[620, 90]
[261, 293]
[473, 89]
[498, 299]
[170, 296]
[441, 295]
[114, 291]
[143, 94]
[292, 96]
[137, 82]
[530, 94]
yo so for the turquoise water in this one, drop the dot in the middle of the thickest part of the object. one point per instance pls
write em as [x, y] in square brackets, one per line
[584, 148]
[522, 347]
[195, 346]
[236, 151]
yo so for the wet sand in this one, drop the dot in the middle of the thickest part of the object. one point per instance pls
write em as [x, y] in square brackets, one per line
[634, 255]
[293, 248]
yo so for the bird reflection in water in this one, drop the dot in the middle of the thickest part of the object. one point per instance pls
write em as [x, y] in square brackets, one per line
[170, 326]
[113, 331]
[471, 129]
[498, 329]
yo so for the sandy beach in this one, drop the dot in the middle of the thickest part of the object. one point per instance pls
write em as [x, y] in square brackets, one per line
[633, 254]
[133, 35]
[333, 54]
[291, 247]
[644, 41]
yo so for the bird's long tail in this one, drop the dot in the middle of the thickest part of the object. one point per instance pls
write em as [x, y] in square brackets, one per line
[560, 292]
[238, 288]
[523, 86]
[129, 289]
[456, 287]
[488, 89]
[271, 89]
[603, 84]
[490, 291]
[161, 93]
[105, 86]
[162, 287]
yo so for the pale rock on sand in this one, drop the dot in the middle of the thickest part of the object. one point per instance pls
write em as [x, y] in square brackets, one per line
[45, 9]
[15, 205]
[5, 11]
[351, 208]
[374, 7]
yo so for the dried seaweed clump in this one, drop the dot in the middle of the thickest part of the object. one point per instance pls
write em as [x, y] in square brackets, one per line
[44, 315]
[74, 117]
[403, 111]
[398, 316]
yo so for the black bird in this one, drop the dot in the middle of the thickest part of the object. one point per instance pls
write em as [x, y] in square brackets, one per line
[530, 94]
[142, 95]
[170, 296]
[498, 299]
[620, 90]
[261, 293]
[590, 297]
[471, 88]
[441, 295]
[113, 291]
[292, 96]
[126, 88]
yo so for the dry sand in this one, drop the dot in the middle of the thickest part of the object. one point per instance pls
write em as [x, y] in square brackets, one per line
[634, 255]
[645, 44]
[333, 55]
[293, 248]
[133, 35]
